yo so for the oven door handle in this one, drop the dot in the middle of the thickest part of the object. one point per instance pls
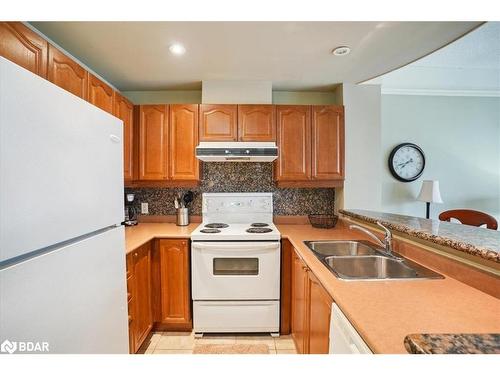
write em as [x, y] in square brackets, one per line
[237, 246]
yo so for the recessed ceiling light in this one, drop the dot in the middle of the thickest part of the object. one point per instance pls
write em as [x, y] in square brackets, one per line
[341, 51]
[177, 49]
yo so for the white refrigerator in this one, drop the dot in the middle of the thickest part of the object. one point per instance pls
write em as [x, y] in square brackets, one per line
[62, 248]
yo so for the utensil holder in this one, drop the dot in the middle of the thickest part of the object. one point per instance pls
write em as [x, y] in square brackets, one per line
[182, 217]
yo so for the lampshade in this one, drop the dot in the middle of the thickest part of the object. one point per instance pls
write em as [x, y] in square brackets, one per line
[430, 192]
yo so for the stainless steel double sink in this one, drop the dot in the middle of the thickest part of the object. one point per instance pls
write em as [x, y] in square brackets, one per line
[361, 260]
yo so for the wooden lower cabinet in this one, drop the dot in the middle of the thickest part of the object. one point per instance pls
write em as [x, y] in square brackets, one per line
[173, 293]
[139, 295]
[320, 305]
[158, 285]
[299, 301]
[310, 310]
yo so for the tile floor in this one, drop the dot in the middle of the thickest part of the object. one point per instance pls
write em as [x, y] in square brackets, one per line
[184, 342]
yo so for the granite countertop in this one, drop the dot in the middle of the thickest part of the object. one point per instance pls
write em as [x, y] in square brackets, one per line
[481, 242]
[453, 343]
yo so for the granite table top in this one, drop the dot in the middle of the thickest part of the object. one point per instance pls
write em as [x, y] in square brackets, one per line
[453, 343]
[481, 242]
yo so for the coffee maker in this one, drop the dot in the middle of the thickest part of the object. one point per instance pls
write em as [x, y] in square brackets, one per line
[130, 211]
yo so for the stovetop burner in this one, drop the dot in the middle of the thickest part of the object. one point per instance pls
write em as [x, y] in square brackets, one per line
[259, 230]
[216, 225]
[259, 225]
[210, 230]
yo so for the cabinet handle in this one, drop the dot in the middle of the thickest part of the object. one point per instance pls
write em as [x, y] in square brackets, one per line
[136, 254]
[129, 319]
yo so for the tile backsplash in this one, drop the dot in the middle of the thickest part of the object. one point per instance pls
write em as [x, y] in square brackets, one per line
[239, 177]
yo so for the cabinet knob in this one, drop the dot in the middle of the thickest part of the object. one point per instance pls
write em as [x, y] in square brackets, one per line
[136, 254]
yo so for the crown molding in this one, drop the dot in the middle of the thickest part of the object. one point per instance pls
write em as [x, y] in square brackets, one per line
[435, 92]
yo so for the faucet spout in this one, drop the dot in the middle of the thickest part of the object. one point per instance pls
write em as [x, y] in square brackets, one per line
[386, 244]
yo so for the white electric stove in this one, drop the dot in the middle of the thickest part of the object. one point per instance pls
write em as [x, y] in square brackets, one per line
[236, 265]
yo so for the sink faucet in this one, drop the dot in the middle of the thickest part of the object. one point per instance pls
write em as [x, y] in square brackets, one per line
[387, 244]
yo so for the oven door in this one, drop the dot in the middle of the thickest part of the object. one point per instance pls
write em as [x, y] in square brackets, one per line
[235, 270]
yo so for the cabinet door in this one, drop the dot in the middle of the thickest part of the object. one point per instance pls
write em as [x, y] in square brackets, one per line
[286, 287]
[153, 142]
[218, 122]
[24, 47]
[143, 320]
[320, 305]
[131, 302]
[100, 94]
[124, 110]
[66, 73]
[256, 123]
[183, 122]
[327, 142]
[294, 143]
[299, 319]
[175, 285]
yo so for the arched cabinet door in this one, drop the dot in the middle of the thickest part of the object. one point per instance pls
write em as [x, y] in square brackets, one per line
[24, 47]
[124, 110]
[256, 123]
[66, 73]
[294, 143]
[327, 142]
[218, 122]
[153, 142]
[100, 94]
[183, 123]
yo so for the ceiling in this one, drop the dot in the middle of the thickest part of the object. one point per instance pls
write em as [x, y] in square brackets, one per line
[293, 55]
[471, 63]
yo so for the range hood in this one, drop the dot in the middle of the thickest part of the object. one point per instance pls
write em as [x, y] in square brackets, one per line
[237, 151]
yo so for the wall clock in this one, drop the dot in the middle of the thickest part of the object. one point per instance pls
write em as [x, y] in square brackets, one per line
[407, 162]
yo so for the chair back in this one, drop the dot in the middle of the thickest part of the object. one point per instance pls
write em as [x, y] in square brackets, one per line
[470, 217]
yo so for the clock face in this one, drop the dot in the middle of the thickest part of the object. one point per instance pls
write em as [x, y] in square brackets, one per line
[407, 162]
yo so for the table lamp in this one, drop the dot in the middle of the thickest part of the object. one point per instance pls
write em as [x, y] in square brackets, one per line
[429, 193]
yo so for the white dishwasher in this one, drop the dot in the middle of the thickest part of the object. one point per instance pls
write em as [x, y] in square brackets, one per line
[344, 339]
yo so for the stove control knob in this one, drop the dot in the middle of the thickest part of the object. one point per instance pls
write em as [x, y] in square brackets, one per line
[227, 151]
[247, 151]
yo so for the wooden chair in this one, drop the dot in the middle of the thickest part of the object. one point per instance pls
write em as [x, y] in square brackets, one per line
[470, 217]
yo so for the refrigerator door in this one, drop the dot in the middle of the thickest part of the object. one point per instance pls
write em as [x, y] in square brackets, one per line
[74, 298]
[61, 166]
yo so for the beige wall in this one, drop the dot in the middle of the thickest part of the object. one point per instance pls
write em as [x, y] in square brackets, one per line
[194, 97]
[362, 186]
[460, 137]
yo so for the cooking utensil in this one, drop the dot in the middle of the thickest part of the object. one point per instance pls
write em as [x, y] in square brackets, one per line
[187, 198]
[176, 203]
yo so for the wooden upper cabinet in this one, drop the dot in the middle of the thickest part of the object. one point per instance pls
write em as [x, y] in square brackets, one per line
[24, 47]
[320, 305]
[256, 123]
[175, 286]
[124, 110]
[153, 142]
[218, 122]
[294, 143]
[66, 73]
[183, 123]
[327, 142]
[299, 304]
[100, 94]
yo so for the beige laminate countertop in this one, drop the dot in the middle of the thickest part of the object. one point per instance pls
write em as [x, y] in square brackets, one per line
[143, 232]
[383, 312]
